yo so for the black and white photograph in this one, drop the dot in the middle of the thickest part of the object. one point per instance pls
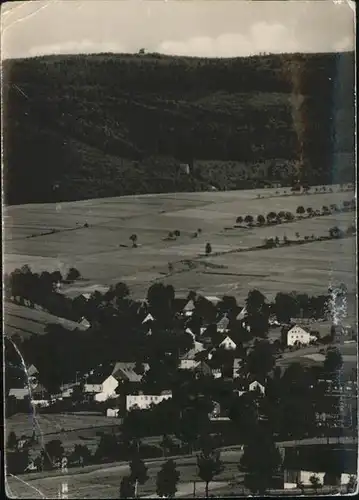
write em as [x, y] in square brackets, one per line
[179, 248]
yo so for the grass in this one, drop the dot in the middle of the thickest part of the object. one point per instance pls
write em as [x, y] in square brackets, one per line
[97, 253]
[71, 429]
[25, 322]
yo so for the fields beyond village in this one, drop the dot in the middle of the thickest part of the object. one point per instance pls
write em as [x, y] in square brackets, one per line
[104, 255]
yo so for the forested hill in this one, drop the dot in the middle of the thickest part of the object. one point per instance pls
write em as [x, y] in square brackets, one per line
[105, 125]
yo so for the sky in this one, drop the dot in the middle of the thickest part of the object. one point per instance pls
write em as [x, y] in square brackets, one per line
[208, 28]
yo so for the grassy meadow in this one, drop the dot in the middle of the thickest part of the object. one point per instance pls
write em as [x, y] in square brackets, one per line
[104, 255]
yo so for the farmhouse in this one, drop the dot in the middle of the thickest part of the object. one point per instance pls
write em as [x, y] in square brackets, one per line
[297, 335]
[247, 386]
[101, 387]
[144, 401]
[228, 344]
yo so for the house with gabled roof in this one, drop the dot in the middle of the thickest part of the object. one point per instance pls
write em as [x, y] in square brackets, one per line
[242, 314]
[189, 308]
[298, 335]
[148, 318]
[228, 343]
[125, 371]
[222, 325]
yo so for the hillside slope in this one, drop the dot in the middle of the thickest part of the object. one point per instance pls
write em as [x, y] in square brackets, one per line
[106, 125]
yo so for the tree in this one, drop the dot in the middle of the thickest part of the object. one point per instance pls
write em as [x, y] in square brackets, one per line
[300, 485]
[248, 219]
[138, 474]
[300, 210]
[315, 482]
[208, 249]
[271, 217]
[54, 451]
[177, 233]
[335, 232]
[166, 444]
[209, 465]
[134, 238]
[170, 267]
[285, 239]
[333, 360]
[310, 211]
[289, 216]
[276, 240]
[352, 484]
[11, 441]
[261, 220]
[297, 235]
[239, 220]
[261, 359]
[285, 306]
[127, 489]
[167, 479]
[73, 274]
[260, 462]
[81, 454]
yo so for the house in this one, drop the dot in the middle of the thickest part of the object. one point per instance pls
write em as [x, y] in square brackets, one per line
[222, 325]
[203, 368]
[189, 331]
[297, 335]
[112, 412]
[189, 360]
[227, 343]
[248, 386]
[148, 318]
[237, 363]
[299, 465]
[213, 299]
[218, 413]
[242, 314]
[125, 372]
[84, 323]
[19, 394]
[144, 401]
[256, 386]
[189, 308]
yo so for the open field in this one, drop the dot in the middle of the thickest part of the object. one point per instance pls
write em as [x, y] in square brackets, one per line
[71, 429]
[97, 253]
[25, 322]
[104, 481]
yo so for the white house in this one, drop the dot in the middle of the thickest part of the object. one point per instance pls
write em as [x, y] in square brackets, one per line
[297, 335]
[189, 308]
[149, 317]
[255, 385]
[228, 344]
[292, 478]
[112, 412]
[144, 401]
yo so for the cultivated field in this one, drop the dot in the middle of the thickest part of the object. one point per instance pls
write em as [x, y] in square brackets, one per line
[25, 322]
[97, 252]
[71, 429]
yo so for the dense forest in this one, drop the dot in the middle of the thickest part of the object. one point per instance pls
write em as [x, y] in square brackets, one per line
[85, 126]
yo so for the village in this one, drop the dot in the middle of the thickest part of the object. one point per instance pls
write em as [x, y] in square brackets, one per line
[221, 371]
